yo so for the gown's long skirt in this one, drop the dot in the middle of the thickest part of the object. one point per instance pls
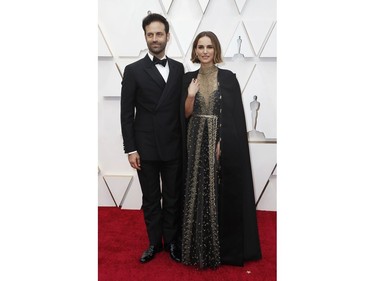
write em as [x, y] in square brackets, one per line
[200, 240]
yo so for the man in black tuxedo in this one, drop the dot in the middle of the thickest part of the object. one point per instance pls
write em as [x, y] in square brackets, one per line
[150, 122]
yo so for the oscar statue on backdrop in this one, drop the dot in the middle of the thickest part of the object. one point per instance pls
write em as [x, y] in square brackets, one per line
[255, 135]
[239, 55]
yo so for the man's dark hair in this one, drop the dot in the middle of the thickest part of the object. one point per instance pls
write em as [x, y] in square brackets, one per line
[155, 17]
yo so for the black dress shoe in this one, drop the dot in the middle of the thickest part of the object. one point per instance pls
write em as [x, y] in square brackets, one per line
[150, 253]
[174, 252]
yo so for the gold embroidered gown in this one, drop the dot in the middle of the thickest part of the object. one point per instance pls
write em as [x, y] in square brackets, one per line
[200, 240]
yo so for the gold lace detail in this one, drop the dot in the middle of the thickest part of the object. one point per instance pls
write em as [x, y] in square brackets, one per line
[207, 82]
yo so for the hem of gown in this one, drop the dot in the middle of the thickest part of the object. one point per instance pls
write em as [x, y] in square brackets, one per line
[237, 263]
[196, 266]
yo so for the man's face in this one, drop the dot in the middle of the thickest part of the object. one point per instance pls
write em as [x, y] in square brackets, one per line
[156, 38]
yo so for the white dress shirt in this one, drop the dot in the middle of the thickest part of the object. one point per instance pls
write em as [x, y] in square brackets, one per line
[164, 70]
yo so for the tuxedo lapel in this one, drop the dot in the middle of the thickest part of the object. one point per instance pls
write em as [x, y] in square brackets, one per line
[170, 82]
[153, 72]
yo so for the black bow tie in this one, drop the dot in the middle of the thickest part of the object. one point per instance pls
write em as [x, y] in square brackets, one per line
[163, 62]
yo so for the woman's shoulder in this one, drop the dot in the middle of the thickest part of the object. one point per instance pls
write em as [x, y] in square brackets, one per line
[188, 76]
[227, 75]
[191, 73]
[225, 72]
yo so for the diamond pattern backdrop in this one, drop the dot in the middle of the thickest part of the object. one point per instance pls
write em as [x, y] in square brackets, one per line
[245, 26]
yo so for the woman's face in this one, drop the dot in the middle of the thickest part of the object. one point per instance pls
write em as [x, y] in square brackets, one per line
[205, 51]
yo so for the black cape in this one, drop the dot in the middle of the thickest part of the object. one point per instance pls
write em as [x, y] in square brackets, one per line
[238, 230]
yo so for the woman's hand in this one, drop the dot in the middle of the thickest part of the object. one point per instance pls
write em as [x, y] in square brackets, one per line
[189, 102]
[218, 151]
[193, 88]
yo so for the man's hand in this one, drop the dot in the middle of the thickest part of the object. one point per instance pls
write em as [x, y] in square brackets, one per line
[135, 160]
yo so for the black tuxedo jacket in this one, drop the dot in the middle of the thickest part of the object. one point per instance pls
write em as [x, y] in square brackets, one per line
[150, 111]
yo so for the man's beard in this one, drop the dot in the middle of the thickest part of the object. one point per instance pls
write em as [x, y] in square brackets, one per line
[158, 49]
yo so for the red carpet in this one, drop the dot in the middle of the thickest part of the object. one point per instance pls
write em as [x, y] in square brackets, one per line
[122, 239]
